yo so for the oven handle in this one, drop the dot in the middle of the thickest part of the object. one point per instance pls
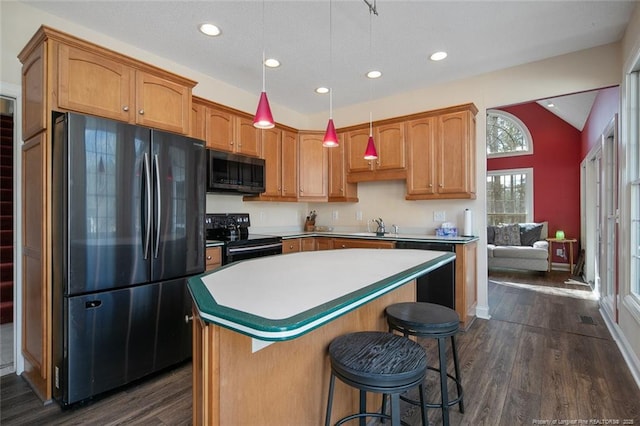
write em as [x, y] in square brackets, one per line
[253, 248]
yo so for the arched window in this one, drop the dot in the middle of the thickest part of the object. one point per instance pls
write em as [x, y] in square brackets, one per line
[507, 135]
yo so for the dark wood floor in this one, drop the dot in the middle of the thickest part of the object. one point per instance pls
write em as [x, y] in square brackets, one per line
[538, 358]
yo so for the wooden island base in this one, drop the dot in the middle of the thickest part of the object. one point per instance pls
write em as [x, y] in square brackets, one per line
[285, 383]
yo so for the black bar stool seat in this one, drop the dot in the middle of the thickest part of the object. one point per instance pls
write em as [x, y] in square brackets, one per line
[431, 321]
[380, 362]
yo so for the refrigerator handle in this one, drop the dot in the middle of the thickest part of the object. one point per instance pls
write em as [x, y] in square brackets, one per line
[147, 207]
[158, 204]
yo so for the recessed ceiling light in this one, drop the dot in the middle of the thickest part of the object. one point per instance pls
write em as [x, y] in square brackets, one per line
[438, 56]
[374, 74]
[322, 90]
[272, 62]
[210, 30]
[551, 104]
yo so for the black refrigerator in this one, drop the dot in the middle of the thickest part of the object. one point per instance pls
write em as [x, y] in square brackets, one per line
[128, 206]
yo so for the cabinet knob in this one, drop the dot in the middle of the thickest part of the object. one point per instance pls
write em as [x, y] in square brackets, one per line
[441, 185]
[430, 185]
[291, 247]
[341, 190]
[125, 108]
[141, 112]
[208, 257]
[231, 143]
[188, 318]
[343, 246]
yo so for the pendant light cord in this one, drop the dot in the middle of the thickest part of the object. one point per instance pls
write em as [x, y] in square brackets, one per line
[330, 62]
[370, 64]
[263, 48]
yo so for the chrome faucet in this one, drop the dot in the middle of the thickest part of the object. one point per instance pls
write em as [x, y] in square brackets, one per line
[381, 229]
[396, 228]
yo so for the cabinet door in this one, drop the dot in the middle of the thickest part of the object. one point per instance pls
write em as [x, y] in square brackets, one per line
[272, 154]
[391, 147]
[247, 137]
[289, 164]
[324, 243]
[341, 243]
[421, 153]
[162, 104]
[219, 125]
[307, 244]
[93, 84]
[34, 89]
[356, 145]
[454, 160]
[198, 121]
[313, 160]
[339, 189]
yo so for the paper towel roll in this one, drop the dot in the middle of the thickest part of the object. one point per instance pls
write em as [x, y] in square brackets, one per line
[468, 231]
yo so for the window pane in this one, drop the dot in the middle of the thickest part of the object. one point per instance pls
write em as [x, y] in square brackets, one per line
[635, 240]
[506, 134]
[507, 198]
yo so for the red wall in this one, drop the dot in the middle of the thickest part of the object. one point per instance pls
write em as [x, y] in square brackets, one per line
[604, 108]
[556, 169]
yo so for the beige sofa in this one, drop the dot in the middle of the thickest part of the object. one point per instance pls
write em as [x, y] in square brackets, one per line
[534, 257]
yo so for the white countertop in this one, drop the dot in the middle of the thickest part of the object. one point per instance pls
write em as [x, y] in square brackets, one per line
[282, 297]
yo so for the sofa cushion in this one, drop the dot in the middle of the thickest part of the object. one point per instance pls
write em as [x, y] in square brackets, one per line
[520, 252]
[507, 235]
[491, 234]
[530, 233]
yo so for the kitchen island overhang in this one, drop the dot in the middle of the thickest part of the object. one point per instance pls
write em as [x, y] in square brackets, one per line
[282, 297]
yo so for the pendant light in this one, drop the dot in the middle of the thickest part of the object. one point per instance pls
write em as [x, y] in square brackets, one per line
[370, 153]
[263, 118]
[330, 139]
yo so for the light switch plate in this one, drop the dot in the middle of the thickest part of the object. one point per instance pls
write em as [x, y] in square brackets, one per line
[439, 216]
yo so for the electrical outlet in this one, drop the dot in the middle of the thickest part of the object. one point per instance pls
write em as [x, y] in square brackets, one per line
[359, 215]
[335, 215]
[560, 252]
[439, 216]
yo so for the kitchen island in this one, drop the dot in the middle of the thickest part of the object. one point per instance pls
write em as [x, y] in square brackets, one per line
[262, 328]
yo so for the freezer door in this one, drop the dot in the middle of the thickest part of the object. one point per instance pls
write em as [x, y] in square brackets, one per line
[107, 210]
[119, 336]
[178, 182]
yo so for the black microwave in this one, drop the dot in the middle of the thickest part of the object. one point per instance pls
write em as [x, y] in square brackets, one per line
[233, 173]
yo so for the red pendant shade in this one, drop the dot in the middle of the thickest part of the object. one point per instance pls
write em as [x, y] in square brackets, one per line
[263, 118]
[370, 153]
[330, 136]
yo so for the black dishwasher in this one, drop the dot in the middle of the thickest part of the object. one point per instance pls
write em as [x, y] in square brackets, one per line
[437, 286]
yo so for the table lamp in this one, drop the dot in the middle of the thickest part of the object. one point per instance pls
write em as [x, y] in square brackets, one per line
[559, 235]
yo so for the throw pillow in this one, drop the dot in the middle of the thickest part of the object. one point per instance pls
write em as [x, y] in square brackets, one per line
[529, 233]
[491, 234]
[507, 235]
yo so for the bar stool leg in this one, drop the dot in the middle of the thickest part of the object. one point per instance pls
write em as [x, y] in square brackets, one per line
[423, 408]
[457, 369]
[395, 409]
[363, 407]
[330, 400]
[443, 380]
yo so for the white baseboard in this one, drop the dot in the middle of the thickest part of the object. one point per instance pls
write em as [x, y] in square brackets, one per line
[560, 266]
[623, 344]
[483, 312]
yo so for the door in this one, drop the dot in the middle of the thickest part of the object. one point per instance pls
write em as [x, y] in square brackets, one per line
[178, 179]
[105, 214]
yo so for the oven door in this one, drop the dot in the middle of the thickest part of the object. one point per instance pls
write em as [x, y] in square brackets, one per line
[236, 252]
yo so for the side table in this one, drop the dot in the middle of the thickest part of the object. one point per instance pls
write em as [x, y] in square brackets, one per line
[563, 240]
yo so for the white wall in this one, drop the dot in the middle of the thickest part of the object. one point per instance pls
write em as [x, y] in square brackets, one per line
[580, 71]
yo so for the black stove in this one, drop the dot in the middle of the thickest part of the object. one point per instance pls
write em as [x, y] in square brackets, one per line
[233, 230]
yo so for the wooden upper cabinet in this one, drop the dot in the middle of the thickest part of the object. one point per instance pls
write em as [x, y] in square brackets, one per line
[441, 151]
[198, 128]
[339, 188]
[272, 154]
[34, 86]
[229, 132]
[289, 165]
[313, 167]
[421, 175]
[92, 82]
[390, 145]
[162, 104]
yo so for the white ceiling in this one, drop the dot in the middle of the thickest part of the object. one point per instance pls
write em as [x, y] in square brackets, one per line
[480, 36]
[574, 109]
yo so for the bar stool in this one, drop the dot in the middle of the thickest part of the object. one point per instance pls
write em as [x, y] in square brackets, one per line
[380, 362]
[437, 322]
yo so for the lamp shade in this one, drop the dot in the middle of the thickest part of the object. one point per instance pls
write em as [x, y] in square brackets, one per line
[370, 153]
[330, 139]
[263, 118]
[559, 235]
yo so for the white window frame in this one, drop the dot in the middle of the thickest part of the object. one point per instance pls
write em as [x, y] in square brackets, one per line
[529, 188]
[522, 127]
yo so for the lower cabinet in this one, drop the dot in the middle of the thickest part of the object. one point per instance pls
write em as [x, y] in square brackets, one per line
[213, 258]
[342, 243]
[295, 245]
